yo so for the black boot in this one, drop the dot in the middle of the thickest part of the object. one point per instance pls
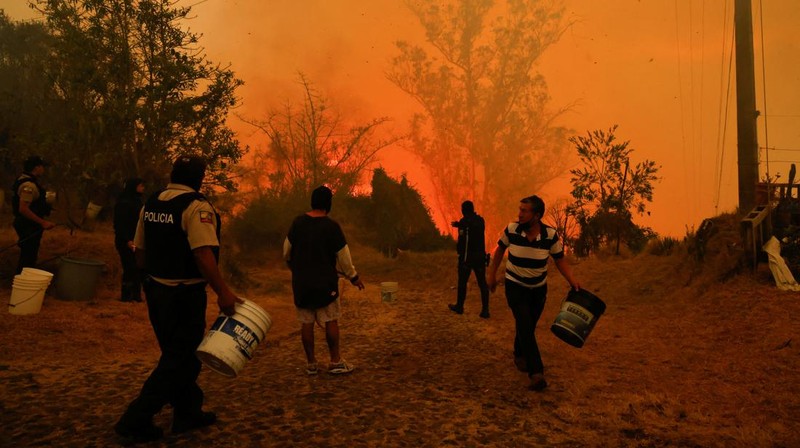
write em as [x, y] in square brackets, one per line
[126, 292]
[458, 309]
[138, 431]
[136, 292]
[485, 304]
[130, 292]
[201, 419]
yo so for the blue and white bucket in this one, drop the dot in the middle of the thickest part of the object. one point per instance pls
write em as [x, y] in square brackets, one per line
[232, 340]
[580, 311]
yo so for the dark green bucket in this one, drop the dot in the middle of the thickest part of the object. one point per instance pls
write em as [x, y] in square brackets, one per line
[77, 278]
[579, 314]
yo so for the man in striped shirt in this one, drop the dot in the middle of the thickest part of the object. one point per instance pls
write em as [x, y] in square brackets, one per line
[529, 242]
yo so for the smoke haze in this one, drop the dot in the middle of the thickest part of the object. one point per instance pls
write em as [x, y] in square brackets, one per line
[658, 69]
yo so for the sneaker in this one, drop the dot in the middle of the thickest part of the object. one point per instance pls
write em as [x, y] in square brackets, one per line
[484, 314]
[194, 421]
[538, 382]
[138, 433]
[341, 367]
[312, 369]
[456, 309]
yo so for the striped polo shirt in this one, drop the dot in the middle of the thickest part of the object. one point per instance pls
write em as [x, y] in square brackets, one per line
[527, 260]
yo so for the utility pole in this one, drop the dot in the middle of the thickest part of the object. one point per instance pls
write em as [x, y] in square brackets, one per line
[746, 106]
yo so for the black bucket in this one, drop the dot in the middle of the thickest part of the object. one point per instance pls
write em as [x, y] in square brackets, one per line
[579, 314]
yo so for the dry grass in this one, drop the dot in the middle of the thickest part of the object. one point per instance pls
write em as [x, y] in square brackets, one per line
[689, 353]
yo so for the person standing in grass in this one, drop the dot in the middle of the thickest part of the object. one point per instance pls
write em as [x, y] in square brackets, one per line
[30, 208]
[126, 217]
[177, 241]
[316, 251]
[471, 248]
[530, 243]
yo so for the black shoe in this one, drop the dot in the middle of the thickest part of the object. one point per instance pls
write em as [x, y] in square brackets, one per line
[456, 309]
[141, 433]
[195, 421]
[484, 314]
[538, 382]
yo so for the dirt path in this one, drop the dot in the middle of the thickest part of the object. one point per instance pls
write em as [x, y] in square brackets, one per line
[661, 369]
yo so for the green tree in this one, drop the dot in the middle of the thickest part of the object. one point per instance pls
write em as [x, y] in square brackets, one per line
[608, 191]
[400, 218]
[485, 131]
[25, 92]
[311, 145]
[128, 90]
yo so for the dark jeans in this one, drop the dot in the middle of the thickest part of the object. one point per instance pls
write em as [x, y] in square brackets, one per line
[178, 318]
[527, 305]
[464, 271]
[131, 276]
[30, 237]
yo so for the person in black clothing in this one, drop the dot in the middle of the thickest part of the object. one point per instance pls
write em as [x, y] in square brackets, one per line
[126, 217]
[471, 249]
[316, 251]
[30, 208]
[177, 243]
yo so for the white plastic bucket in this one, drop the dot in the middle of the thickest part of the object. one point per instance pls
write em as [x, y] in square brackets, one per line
[33, 278]
[30, 283]
[389, 291]
[36, 273]
[26, 299]
[232, 340]
[92, 210]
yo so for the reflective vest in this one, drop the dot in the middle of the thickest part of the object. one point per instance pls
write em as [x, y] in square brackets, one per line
[168, 254]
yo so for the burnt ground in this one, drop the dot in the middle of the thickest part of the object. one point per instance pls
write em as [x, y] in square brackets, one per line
[679, 359]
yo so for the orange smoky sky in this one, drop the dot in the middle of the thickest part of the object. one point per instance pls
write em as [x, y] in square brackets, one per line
[657, 68]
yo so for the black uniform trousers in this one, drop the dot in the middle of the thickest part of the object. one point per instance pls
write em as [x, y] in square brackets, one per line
[464, 271]
[131, 276]
[527, 305]
[30, 238]
[178, 318]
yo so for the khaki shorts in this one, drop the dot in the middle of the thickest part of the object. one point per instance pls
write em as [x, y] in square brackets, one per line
[321, 315]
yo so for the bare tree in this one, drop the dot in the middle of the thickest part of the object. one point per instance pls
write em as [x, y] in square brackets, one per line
[563, 221]
[311, 145]
[485, 131]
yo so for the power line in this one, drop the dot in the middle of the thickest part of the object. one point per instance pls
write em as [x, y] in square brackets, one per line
[778, 149]
[680, 89]
[724, 124]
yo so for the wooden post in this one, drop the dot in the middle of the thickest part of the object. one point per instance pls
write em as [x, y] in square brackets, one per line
[746, 106]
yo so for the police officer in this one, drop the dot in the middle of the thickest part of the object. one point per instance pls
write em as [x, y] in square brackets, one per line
[471, 248]
[177, 244]
[30, 208]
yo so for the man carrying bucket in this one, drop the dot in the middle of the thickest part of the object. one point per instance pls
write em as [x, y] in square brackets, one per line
[30, 208]
[177, 244]
[529, 242]
[316, 251]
